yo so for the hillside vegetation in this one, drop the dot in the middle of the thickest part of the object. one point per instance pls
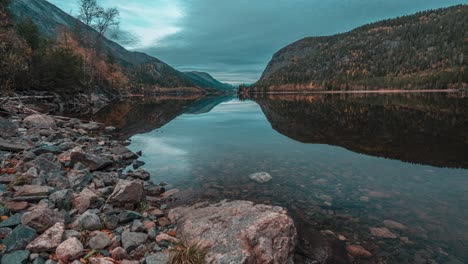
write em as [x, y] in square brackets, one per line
[427, 50]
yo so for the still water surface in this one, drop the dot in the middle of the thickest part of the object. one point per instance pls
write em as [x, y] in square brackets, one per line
[342, 163]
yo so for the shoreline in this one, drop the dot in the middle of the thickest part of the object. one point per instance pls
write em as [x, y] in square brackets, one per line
[384, 91]
[65, 195]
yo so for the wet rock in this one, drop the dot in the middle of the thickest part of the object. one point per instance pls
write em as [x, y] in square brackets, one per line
[84, 200]
[12, 221]
[119, 253]
[32, 190]
[42, 218]
[88, 221]
[39, 121]
[139, 174]
[48, 241]
[154, 190]
[69, 250]
[17, 257]
[357, 251]
[62, 199]
[92, 162]
[131, 240]
[18, 238]
[100, 240]
[137, 164]
[7, 128]
[382, 232]
[14, 145]
[394, 225]
[238, 231]
[16, 206]
[127, 192]
[260, 177]
[124, 152]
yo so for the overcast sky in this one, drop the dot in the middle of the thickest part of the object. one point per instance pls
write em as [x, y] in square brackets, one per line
[234, 39]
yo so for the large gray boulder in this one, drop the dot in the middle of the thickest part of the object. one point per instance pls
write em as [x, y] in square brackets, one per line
[238, 231]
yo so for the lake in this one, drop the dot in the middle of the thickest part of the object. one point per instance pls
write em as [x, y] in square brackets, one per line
[341, 164]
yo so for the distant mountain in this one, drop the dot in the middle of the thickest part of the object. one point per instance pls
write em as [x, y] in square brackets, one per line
[141, 69]
[205, 80]
[422, 51]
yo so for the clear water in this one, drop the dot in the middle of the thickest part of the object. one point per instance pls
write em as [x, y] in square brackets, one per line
[412, 167]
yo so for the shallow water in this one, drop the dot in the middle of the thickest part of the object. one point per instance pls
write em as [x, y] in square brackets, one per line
[339, 162]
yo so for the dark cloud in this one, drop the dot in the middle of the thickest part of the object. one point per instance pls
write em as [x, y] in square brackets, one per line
[234, 40]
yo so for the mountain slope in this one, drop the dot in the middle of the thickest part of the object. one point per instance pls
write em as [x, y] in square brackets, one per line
[142, 69]
[205, 80]
[425, 50]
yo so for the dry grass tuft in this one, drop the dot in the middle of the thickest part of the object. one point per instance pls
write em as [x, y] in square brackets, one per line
[183, 252]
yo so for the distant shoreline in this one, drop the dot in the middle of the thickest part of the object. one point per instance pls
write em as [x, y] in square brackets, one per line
[384, 91]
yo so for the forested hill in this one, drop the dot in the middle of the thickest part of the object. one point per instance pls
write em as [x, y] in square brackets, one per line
[206, 80]
[427, 50]
[55, 52]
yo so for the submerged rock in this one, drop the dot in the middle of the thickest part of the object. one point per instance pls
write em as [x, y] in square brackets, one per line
[358, 251]
[382, 232]
[238, 231]
[261, 177]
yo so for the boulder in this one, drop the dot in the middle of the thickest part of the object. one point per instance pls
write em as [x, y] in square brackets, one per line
[49, 240]
[238, 231]
[42, 219]
[39, 121]
[17, 257]
[69, 250]
[131, 240]
[260, 177]
[92, 162]
[18, 238]
[127, 192]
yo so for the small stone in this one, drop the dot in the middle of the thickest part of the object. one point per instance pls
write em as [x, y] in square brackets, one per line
[32, 190]
[158, 258]
[16, 206]
[88, 126]
[92, 162]
[127, 192]
[157, 213]
[40, 121]
[69, 250]
[42, 149]
[163, 221]
[18, 238]
[12, 221]
[17, 257]
[13, 145]
[101, 261]
[382, 232]
[48, 241]
[147, 225]
[62, 199]
[358, 251]
[364, 199]
[131, 240]
[42, 218]
[137, 226]
[84, 200]
[119, 253]
[165, 237]
[99, 241]
[128, 216]
[261, 177]
[88, 221]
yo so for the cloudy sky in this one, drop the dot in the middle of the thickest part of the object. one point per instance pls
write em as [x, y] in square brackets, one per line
[234, 39]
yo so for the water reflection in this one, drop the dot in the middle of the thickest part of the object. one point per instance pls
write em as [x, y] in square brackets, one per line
[425, 128]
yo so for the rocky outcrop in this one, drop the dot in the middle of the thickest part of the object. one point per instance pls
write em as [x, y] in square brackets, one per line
[238, 231]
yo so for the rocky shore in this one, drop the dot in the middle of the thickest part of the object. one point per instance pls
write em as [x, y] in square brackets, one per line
[67, 197]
